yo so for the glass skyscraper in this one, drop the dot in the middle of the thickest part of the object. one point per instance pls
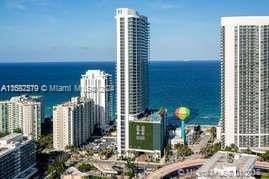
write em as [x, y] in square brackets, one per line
[132, 32]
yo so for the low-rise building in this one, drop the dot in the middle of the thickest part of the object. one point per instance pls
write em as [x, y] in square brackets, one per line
[190, 137]
[147, 133]
[17, 156]
[193, 134]
[175, 137]
[175, 140]
[228, 164]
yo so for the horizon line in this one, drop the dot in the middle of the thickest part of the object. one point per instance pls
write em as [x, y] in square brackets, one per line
[104, 60]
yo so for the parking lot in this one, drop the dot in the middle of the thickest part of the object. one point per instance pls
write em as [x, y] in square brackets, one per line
[101, 143]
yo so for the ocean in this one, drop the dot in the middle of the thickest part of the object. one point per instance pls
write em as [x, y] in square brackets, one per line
[194, 84]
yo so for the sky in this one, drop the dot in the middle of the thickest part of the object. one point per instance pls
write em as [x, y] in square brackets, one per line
[84, 30]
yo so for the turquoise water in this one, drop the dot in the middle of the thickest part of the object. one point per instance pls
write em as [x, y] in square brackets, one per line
[195, 84]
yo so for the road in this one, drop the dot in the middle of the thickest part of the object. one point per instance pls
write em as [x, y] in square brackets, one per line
[262, 165]
[150, 164]
[162, 172]
[166, 170]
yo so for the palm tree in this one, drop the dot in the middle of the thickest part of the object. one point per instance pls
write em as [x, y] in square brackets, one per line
[89, 152]
[130, 168]
[167, 151]
[58, 166]
[232, 148]
[183, 150]
[210, 150]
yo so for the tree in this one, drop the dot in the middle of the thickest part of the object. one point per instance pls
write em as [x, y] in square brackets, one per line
[89, 152]
[265, 156]
[183, 150]
[72, 148]
[247, 151]
[130, 168]
[3, 134]
[17, 130]
[167, 150]
[210, 150]
[84, 167]
[231, 148]
[106, 152]
[213, 131]
[58, 166]
[45, 142]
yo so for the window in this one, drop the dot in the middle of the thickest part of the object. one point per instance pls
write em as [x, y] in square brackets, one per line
[140, 132]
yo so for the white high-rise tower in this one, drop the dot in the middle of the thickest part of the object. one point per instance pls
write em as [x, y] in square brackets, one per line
[245, 81]
[132, 70]
[97, 86]
[22, 113]
[72, 123]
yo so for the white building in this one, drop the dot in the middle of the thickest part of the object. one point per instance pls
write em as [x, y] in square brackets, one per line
[175, 137]
[17, 156]
[73, 123]
[97, 86]
[244, 81]
[4, 118]
[23, 113]
[228, 165]
[132, 70]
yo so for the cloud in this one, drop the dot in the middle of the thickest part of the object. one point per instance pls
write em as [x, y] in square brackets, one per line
[24, 4]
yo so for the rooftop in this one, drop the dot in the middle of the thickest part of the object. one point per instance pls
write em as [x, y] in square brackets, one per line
[95, 73]
[10, 137]
[245, 20]
[123, 12]
[25, 99]
[75, 101]
[227, 161]
[153, 115]
[12, 141]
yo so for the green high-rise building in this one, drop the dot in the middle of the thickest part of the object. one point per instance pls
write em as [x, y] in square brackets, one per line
[147, 134]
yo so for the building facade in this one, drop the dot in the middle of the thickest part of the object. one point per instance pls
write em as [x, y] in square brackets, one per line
[17, 156]
[4, 119]
[147, 134]
[22, 113]
[96, 85]
[132, 33]
[73, 123]
[244, 81]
